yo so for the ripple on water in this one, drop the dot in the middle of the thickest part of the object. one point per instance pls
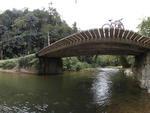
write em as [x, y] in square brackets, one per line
[23, 108]
[101, 86]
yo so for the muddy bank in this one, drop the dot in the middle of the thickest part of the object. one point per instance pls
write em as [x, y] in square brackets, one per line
[25, 71]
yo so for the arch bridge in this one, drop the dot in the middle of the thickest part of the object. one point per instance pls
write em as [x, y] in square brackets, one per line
[98, 41]
[108, 41]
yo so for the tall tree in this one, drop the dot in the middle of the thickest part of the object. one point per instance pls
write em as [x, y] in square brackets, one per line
[144, 27]
[27, 30]
[2, 31]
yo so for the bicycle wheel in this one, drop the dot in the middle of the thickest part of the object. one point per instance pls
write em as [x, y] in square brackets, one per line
[119, 26]
[106, 26]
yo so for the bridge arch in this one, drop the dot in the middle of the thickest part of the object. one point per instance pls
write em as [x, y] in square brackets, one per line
[98, 41]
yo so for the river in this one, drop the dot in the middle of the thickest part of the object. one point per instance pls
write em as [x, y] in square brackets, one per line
[72, 92]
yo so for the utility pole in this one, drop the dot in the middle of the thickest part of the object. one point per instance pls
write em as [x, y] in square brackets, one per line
[75, 1]
[48, 39]
[1, 51]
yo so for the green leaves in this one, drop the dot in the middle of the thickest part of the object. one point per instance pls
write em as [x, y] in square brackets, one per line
[24, 31]
[144, 27]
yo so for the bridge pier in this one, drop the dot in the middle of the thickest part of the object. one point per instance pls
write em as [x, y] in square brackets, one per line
[142, 70]
[50, 66]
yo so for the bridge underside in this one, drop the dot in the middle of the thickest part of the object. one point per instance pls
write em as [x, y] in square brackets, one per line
[98, 48]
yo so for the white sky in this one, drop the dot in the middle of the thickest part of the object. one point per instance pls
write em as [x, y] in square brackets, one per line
[89, 13]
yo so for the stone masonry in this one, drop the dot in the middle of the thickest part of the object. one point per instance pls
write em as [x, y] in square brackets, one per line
[142, 70]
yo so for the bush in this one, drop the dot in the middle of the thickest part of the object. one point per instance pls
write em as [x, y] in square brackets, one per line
[28, 61]
[81, 65]
[74, 64]
[108, 60]
[8, 64]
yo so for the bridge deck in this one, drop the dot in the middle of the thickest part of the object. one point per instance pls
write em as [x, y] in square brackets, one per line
[98, 41]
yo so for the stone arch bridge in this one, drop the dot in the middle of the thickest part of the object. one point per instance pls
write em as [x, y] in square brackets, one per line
[99, 41]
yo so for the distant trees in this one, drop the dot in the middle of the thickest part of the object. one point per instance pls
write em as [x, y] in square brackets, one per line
[24, 32]
[144, 27]
[2, 31]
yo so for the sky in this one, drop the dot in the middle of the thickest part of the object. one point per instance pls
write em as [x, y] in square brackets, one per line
[89, 14]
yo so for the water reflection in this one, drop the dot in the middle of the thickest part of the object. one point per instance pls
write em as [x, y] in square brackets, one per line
[101, 85]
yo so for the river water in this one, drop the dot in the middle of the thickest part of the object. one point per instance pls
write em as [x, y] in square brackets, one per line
[72, 92]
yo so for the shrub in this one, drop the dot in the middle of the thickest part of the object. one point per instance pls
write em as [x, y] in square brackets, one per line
[8, 64]
[107, 60]
[74, 64]
[28, 61]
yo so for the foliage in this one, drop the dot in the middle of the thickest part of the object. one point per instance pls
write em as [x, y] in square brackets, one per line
[144, 27]
[8, 64]
[130, 60]
[108, 60]
[72, 63]
[24, 32]
[28, 61]
[69, 63]
[88, 59]
[124, 62]
[81, 62]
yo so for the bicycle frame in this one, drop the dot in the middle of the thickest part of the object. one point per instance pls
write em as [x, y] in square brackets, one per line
[114, 24]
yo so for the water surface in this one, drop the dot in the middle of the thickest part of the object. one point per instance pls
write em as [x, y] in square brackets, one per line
[76, 92]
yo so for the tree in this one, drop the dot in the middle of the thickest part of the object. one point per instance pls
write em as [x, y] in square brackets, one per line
[27, 30]
[124, 62]
[2, 31]
[144, 27]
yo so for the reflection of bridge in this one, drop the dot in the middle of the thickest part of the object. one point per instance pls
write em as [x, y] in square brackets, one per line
[97, 41]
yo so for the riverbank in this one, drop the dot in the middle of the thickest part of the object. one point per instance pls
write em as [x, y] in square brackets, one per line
[25, 71]
[26, 64]
[33, 71]
[29, 64]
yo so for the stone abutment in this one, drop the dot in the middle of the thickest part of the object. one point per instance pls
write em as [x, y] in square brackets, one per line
[142, 70]
[50, 66]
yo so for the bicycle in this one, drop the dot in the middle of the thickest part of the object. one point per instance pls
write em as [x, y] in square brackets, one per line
[114, 24]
